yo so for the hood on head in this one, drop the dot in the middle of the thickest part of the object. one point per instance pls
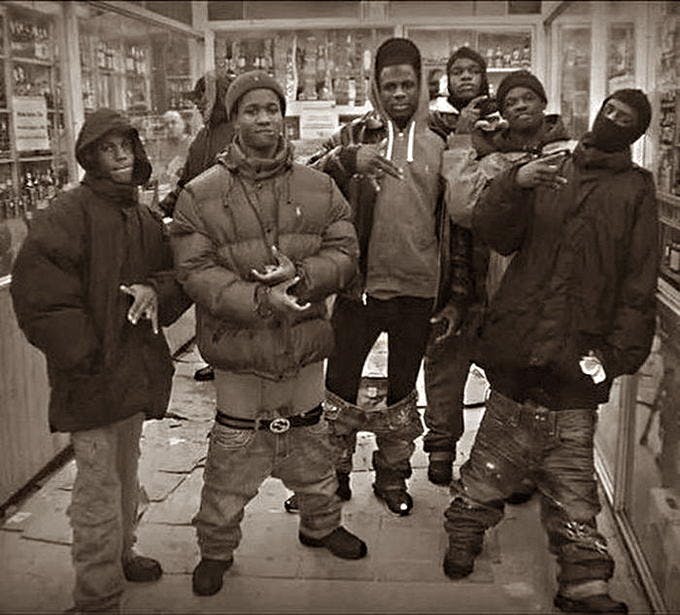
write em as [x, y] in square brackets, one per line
[470, 54]
[100, 123]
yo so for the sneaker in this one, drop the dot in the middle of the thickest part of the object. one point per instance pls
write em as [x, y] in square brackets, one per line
[205, 374]
[344, 492]
[291, 505]
[140, 569]
[206, 579]
[339, 542]
[459, 563]
[398, 501]
[599, 603]
[440, 471]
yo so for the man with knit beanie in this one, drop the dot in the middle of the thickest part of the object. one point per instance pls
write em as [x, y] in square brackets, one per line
[260, 242]
[575, 310]
[447, 359]
[387, 163]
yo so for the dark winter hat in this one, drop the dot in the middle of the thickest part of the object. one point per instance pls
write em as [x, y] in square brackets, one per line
[520, 79]
[252, 80]
[397, 51]
[639, 101]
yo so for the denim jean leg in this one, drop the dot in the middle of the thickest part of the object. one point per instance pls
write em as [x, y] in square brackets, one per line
[95, 514]
[570, 504]
[238, 462]
[446, 367]
[344, 448]
[308, 469]
[129, 433]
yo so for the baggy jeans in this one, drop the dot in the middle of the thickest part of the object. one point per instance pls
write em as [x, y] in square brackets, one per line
[446, 366]
[239, 460]
[357, 326]
[103, 510]
[555, 450]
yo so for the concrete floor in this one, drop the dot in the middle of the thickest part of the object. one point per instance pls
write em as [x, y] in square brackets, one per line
[273, 573]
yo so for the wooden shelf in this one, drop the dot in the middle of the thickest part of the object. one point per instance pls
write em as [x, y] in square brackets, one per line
[509, 69]
[48, 63]
[39, 158]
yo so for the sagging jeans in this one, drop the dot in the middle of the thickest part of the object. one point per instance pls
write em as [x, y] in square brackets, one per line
[103, 511]
[446, 366]
[406, 320]
[239, 460]
[555, 450]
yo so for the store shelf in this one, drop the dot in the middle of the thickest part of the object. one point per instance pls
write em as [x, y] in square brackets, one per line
[6, 161]
[36, 158]
[509, 69]
[48, 63]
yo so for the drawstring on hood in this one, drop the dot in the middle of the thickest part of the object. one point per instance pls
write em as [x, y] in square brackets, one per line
[400, 51]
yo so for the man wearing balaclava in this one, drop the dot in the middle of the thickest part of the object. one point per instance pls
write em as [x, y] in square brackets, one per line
[387, 164]
[575, 310]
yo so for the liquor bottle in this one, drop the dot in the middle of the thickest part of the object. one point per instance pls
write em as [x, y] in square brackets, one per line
[516, 58]
[525, 59]
[291, 79]
[309, 71]
[498, 57]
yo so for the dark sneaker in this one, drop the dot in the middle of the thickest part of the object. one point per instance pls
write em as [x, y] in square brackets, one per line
[206, 579]
[460, 562]
[599, 603]
[398, 501]
[440, 471]
[339, 542]
[344, 492]
[205, 374]
[140, 569]
[291, 504]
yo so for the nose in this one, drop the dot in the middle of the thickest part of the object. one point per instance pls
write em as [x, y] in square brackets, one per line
[122, 152]
[263, 117]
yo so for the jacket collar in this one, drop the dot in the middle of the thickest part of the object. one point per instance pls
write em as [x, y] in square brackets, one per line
[122, 195]
[237, 161]
[588, 157]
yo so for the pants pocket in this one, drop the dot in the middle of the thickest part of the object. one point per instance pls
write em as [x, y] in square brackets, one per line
[231, 439]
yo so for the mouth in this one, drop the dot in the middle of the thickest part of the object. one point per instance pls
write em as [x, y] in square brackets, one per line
[265, 133]
[123, 169]
[400, 107]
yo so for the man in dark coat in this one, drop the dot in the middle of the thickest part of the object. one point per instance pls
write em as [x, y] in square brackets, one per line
[91, 286]
[575, 309]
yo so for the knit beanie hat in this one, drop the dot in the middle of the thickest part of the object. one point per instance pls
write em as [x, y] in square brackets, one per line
[520, 79]
[639, 102]
[469, 54]
[252, 80]
[397, 51]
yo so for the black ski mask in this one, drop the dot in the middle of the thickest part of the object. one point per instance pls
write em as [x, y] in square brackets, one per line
[609, 136]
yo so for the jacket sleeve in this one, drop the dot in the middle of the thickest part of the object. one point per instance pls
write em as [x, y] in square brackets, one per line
[209, 283]
[337, 158]
[631, 338]
[335, 264]
[172, 300]
[48, 290]
[501, 217]
[466, 177]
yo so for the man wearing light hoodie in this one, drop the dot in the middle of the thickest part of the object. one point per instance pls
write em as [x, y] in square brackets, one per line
[387, 164]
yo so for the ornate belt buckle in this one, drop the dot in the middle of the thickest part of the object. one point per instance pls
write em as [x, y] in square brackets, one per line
[279, 425]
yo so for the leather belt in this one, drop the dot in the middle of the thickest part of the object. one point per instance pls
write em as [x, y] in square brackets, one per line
[277, 425]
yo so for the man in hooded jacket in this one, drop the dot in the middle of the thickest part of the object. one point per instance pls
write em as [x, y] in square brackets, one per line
[575, 309]
[91, 285]
[387, 163]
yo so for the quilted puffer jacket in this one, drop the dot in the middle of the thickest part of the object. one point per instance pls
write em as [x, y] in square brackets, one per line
[226, 222]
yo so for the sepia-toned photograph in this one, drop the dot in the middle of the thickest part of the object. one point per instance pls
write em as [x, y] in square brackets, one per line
[339, 306]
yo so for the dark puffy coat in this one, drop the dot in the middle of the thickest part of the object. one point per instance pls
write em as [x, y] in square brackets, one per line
[65, 289]
[583, 278]
[220, 233]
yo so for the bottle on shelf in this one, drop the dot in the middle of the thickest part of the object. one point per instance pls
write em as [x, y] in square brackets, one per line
[498, 57]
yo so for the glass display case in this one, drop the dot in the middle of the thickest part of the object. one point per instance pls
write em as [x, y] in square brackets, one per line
[33, 136]
[574, 69]
[504, 50]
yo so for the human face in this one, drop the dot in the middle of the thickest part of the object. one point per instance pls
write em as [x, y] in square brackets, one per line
[433, 84]
[620, 113]
[523, 109]
[465, 79]
[174, 124]
[115, 157]
[398, 91]
[259, 121]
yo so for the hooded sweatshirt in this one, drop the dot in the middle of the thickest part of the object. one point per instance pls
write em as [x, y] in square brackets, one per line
[403, 250]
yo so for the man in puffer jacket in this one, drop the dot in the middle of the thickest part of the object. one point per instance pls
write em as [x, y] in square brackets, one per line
[387, 163]
[91, 285]
[575, 310]
[260, 242]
